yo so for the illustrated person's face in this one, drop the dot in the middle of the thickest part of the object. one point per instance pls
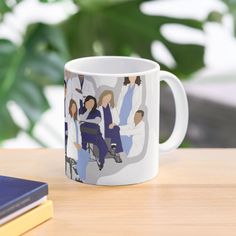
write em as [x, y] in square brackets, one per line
[73, 109]
[89, 104]
[106, 99]
[137, 117]
[132, 79]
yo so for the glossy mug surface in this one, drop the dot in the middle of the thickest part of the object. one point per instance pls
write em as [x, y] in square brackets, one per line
[112, 119]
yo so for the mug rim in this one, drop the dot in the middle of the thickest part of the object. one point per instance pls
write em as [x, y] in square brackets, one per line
[69, 66]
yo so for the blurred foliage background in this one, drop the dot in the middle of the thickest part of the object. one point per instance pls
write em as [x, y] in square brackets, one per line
[96, 27]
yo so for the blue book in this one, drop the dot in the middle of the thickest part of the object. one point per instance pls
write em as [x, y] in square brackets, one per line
[16, 194]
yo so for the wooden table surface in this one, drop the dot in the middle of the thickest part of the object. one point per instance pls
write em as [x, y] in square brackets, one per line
[194, 194]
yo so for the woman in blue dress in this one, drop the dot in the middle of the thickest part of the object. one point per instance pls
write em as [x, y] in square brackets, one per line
[90, 118]
[129, 99]
[129, 102]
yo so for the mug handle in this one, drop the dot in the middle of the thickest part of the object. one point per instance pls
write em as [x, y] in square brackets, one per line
[181, 111]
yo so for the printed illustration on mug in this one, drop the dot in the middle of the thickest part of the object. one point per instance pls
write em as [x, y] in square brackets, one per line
[100, 128]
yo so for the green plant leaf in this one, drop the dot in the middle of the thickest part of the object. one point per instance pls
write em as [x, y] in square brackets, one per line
[120, 28]
[101, 27]
[91, 5]
[7, 6]
[4, 7]
[25, 70]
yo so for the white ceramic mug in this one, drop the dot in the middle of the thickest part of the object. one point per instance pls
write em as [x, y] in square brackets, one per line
[112, 119]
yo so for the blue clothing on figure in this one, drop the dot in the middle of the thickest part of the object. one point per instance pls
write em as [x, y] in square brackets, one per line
[93, 137]
[80, 103]
[91, 115]
[83, 157]
[82, 163]
[127, 142]
[107, 118]
[81, 83]
[114, 133]
[126, 106]
[81, 88]
[76, 131]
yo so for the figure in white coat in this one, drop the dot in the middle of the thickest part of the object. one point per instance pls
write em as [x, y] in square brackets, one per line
[133, 135]
[67, 93]
[74, 136]
[74, 148]
[69, 88]
[79, 88]
[129, 99]
[109, 124]
[65, 115]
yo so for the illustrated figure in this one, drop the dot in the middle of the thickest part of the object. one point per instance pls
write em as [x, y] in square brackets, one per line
[79, 88]
[73, 131]
[67, 75]
[74, 149]
[82, 163]
[109, 124]
[83, 88]
[67, 87]
[90, 118]
[65, 115]
[133, 135]
[130, 99]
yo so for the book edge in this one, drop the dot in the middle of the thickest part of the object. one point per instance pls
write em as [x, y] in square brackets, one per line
[29, 220]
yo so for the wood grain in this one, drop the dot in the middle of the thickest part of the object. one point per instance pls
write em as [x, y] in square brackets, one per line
[194, 194]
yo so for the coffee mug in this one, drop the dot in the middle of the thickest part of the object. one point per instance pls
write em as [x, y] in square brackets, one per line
[112, 119]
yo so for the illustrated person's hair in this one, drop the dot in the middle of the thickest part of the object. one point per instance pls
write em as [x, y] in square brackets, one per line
[141, 112]
[89, 97]
[72, 102]
[105, 93]
[81, 76]
[137, 81]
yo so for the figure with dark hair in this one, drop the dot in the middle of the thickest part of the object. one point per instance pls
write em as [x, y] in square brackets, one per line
[129, 99]
[90, 118]
[109, 124]
[133, 135]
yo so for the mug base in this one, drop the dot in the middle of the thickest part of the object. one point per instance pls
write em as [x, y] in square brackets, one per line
[112, 183]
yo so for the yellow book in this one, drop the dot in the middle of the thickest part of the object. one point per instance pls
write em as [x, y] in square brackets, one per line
[28, 220]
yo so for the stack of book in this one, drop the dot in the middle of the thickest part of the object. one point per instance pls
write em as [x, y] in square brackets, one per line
[23, 205]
